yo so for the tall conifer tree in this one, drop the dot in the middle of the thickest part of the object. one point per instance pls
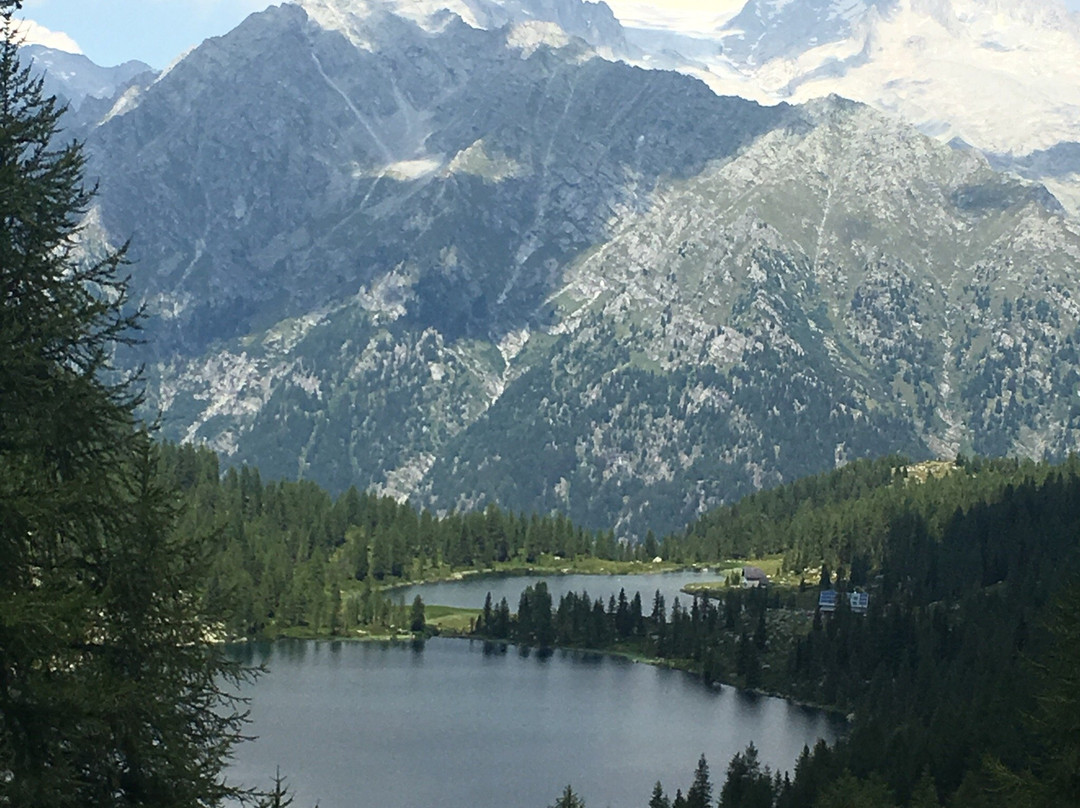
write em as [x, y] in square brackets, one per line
[109, 693]
[700, 793]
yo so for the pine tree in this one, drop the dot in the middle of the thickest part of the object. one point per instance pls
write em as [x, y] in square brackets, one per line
[417, 622]
[109, 692]
[1052, 777]
[658, 798]
[699, 794]
[761, 633]
[747, 785]
[569, 799]
[279, 797]
[924, 794]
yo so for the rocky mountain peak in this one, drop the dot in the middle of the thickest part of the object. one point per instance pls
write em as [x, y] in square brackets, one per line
[462, 265]
[769, 29]
[73, 77]
[593, 22]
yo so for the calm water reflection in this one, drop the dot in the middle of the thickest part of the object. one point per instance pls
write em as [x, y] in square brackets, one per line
[453, 725]
[470, 593]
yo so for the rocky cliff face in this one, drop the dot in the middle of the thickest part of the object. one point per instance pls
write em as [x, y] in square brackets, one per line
[478, 161]
[464, 263]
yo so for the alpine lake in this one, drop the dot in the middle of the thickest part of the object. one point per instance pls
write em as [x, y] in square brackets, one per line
[460, 724]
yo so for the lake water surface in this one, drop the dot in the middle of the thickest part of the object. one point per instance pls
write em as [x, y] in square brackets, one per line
[453, 725]
[470, 592]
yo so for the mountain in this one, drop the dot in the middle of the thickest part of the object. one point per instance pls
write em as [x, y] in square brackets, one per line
[765, 30]
[1002, 77]
[465, 264]
[75, 78]
[591, 21]
[799, 302]
[473, 157]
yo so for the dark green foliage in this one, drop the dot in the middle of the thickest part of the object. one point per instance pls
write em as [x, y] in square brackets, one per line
[1049, 774]
[849, 791]
[699, 795]
[658, 798]
[278, 796]
[962, 571]
[748, 784]
[576, 621]
[290, 555]
[569, 799]
[416, 615]
[925, 793]
[109, 692]
[804, 519]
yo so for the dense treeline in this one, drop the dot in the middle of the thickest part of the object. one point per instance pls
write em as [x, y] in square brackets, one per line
[944, 669]
[720, 643]
[775, 520]
[847, 517]
[291, 555]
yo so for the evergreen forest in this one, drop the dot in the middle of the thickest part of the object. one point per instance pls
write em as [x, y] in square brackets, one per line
[958, 677]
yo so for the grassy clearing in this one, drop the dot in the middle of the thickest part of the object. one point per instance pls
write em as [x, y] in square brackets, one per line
[921, 472]
[771, 565]
[450, 619]
[596, 566]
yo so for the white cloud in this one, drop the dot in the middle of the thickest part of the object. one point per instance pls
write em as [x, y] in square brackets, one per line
[688, 16]
[34, 34]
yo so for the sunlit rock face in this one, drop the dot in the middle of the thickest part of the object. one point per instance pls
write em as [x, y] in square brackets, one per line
[464, 258]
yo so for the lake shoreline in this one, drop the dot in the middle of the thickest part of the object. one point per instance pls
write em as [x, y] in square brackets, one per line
[661, 662]
[461, 627]
[560, 569]
[630, 656]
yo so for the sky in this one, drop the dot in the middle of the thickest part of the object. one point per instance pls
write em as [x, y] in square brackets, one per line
[154, 31]
[157, 31]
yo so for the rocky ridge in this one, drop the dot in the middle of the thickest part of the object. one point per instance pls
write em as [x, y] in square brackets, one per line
[1000, 77]
[464, 264]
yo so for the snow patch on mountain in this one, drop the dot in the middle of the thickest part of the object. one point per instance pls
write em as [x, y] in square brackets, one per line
[530, 36]
[406, 170]
[1003, 78]
[686, 17]
[127, 101]
[532, 23]
[481, 161]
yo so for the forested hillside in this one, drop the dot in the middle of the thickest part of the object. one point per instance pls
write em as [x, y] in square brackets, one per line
[291, 556]
[958, 672]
